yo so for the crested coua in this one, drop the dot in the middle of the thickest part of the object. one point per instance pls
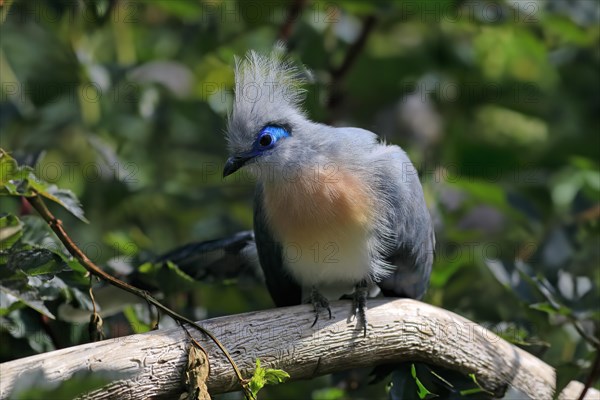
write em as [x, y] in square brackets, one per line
[337, 212]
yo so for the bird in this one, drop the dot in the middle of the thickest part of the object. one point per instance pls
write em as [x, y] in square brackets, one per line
[338, 212]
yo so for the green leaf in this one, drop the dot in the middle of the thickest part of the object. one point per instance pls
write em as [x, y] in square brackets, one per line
[30, 298]
[423, 392]
[136, 323]
[476, 390]
[502, 126]
[549, 309]
[8, 167]
[146, 268]
[65, 198]
[37, 262]
[11, 174]
[122, 243]
[265, 376]
[11, 230]
[21, 181]
[511, 53]
[9, 303]
[13, 178]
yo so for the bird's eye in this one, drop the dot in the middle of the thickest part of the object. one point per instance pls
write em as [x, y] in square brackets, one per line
[269, 136]
[265, 140]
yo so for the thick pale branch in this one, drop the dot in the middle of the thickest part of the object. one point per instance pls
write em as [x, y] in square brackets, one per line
[399, 330]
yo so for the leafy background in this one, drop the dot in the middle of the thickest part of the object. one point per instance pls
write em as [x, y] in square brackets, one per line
[124, 103]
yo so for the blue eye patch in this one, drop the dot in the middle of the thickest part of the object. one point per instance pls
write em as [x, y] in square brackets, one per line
[268, 136]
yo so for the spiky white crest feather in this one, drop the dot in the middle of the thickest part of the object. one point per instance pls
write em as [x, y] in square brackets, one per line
[268, 89]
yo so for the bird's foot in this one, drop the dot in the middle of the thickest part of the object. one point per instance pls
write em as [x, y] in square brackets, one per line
[320, 303]
[359, 304]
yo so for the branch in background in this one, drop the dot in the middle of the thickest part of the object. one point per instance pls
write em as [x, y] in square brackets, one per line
[355, 49]
[44, 320]
[338, 74]
[592, 377]
[591, 214]
[294, 12]
[38, 203]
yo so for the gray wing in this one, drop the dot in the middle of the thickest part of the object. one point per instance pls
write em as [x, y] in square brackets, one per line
[413, 243]
[284, 290]
[413, 269]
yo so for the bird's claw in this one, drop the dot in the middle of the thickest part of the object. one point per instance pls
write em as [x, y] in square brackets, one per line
[319, 303]
[359, 305]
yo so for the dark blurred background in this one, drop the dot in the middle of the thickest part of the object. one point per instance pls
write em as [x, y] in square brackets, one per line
[496, 102]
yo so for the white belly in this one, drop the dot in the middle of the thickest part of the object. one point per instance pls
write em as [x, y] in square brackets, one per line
[328, 261]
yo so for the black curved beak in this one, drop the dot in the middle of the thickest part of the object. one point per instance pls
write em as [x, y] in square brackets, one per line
[235, 163]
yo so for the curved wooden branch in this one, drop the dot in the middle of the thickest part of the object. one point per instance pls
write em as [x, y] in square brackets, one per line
[399, 330]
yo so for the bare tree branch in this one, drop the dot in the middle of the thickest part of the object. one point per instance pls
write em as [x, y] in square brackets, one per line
[294, 12]
[338, 74]
[399, 330]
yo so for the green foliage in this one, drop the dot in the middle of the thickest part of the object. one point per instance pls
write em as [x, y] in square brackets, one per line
[18, 180]
[122, 105]
[265, 376]
[418, 380]
[331, 393]
[36, 274]
[11, 230]
[475, 390]
[422, 391]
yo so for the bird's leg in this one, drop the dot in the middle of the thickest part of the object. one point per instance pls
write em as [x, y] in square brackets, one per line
[319, 302]
[359, 304]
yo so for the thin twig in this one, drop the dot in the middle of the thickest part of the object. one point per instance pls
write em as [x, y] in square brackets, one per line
[95, 324]
[91, 292]
[594, 374]
[294, 12]
[48, 329]
[56, 225]
[589, 214]
[338, 74]
[355, 49]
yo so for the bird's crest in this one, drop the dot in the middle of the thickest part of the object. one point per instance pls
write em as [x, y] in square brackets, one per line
[273, 78]
[268, 89]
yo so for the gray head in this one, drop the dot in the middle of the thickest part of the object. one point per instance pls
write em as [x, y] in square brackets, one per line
[267, 125]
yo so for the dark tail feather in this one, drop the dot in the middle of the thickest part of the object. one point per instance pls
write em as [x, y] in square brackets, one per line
[217, 260]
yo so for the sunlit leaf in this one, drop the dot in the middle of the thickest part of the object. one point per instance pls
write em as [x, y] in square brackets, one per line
[265, 376]
[136, 323]
[422, 391]
[11, 230]
[21, 181]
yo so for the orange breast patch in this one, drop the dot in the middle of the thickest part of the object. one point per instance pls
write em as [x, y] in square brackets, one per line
[317, 205]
